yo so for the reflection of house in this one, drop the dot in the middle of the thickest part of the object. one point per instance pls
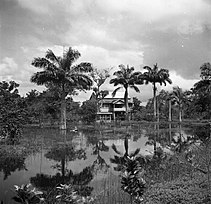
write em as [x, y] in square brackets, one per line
[113, 108]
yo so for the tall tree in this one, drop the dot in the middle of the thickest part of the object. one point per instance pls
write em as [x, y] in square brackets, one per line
[202, 90]
[126, 78]
[155, 75]
[12, 112]
[63, 73]
[180, 98]
[99, 77]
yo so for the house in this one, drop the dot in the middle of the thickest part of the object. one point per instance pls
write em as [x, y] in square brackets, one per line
[113, 108]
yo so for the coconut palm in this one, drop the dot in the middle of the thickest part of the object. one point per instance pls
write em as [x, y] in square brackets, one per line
[155, 75]
[126, 78]
[64, 74]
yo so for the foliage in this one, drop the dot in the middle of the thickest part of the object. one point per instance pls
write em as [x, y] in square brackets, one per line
[88, 111]
[131, 167]
[12, 112]
[12, 158]
[63, 193]
[99, 77]
[132, 178]
[183, 190]
[25, 194]
[202, 91]
[67, 194]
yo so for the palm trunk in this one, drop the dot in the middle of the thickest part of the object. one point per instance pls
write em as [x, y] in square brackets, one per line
[158, 113]
[98, 99]
[126, 104]
[154, 100]
[170, 135]
[63, 168]
[155, 139]
[63, 124]
[170, 110]
[180, 113]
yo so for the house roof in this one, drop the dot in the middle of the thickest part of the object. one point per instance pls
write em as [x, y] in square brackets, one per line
[118, 95]
[118, 101]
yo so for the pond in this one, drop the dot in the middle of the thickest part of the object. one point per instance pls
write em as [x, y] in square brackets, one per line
[83, 156]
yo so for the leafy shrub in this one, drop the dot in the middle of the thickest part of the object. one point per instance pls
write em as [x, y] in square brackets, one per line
[180, 191]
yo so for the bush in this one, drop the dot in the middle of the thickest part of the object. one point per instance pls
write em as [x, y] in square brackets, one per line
[183, 190]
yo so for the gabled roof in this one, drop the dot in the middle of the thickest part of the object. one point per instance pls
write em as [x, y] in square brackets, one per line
[118, 101]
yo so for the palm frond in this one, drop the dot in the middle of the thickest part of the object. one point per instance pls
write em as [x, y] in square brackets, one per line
[133, 154]
[70, 56]
[43, 63]
[149, 69]
[115, 91]
[135, 88]
[51, 56]
[43, 77]
[80, 80]
[115, 149]
[83, 67]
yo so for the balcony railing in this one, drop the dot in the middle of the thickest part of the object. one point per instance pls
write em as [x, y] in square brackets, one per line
[104, 109]
[107, 109]
[119, 109]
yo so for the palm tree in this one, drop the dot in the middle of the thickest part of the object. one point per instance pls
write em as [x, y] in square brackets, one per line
[180, 98]
[64, 74]
[155, 75]
[126, 78]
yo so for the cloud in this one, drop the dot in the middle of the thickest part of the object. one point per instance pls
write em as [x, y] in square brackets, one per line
[8, 67]
[174, 34]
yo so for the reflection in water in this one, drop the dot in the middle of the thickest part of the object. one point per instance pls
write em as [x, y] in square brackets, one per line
[79, 181]
[121, 158]
[99, 163]
[11, 163]
[63, 155]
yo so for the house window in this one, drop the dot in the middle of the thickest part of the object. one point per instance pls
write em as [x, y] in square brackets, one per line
[119, 105]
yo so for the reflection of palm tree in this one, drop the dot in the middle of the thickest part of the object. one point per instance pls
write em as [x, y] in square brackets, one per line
[122, 158]
[152, 137]
[79, 181]
[100, 163]
[65, 153]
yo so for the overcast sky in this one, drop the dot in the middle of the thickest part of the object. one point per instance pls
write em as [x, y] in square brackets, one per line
[176, 34]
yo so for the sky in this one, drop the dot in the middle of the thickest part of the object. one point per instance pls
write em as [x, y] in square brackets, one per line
[176, 34]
